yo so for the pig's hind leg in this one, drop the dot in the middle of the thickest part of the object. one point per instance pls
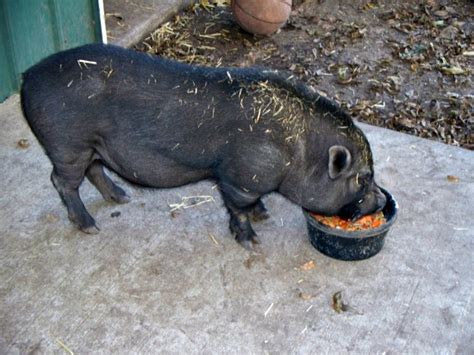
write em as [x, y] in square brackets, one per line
[66, 178]
[108, 189]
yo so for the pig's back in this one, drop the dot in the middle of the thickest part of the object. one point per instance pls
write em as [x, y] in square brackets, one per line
[112, 98]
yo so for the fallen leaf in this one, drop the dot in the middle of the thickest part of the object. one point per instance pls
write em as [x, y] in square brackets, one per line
[453, 178]
[371, 5]
[115, 15]
[406, 122]
[305, 296]
[23, 143]
[441, 13]
[337, 304]
[221, 3]
[52, 218]
[452, 70]
[253, 259]
[308, 265]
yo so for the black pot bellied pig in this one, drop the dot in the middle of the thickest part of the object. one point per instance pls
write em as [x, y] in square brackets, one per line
[163, 124]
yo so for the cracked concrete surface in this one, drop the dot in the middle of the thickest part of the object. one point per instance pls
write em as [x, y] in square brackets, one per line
[152, 282]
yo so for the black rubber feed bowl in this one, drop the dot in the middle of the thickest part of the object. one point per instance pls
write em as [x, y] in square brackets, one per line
[357, 245]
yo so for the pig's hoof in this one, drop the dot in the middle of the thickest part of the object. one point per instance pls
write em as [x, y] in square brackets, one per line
[259, 212]
[117, 195]
[248, 242]
[91, 229]
[121, 198]
[258, 216]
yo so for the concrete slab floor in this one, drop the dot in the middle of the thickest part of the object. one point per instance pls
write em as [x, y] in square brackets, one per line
[128, 21]
[151, 282]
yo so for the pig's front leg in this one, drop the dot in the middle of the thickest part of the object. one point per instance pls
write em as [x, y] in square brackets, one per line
[240, 205]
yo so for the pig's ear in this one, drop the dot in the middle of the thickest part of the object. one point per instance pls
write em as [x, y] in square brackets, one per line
[339, 161]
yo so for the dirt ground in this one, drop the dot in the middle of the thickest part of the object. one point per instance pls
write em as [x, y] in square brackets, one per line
[405, 65]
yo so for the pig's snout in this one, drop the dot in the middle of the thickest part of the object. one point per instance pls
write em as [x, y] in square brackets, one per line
[373, 201]
[380, 199]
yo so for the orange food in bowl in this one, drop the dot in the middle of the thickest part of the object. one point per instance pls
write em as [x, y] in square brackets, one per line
[366, 222]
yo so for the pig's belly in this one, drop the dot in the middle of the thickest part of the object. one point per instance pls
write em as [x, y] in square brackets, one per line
[152, 170]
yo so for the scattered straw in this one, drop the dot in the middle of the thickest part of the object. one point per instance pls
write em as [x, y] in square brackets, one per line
[191, 201]
[177, 40]
[268, 310]
[62, 345]
[213, 239]
[274, 103]
[83, 63]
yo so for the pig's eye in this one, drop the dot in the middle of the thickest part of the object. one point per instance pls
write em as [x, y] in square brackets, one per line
[360, 201]
[362, 181]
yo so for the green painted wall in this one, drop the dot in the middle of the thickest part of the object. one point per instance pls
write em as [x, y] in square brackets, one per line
[32, 29]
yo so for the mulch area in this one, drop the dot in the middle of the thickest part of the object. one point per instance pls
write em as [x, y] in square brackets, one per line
[404, 65]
